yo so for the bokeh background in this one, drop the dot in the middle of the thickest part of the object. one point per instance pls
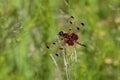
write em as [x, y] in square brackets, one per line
[27, 26]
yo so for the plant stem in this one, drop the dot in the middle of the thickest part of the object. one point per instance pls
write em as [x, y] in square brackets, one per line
[54, 61]
[65, 63]
[57, 68]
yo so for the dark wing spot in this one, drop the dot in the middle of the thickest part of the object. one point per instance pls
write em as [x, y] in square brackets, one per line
[70, 22]
[48, 47]
[82, 24]
[56, 54]
[70, 29]
[78, 28]
[61, 38]
[54, 43]
[71, 17]
[61, 48]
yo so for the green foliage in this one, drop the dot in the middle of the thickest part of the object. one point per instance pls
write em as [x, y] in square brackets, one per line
[27, 26]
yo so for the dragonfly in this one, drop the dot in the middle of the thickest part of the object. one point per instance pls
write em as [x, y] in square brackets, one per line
[69, 37]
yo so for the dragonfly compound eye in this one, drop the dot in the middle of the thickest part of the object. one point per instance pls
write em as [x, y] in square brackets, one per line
[61, 33]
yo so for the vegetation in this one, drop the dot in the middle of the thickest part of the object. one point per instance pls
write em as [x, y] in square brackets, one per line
[27, 26]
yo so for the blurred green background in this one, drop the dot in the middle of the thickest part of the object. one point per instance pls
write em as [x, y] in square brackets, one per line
[27, 26]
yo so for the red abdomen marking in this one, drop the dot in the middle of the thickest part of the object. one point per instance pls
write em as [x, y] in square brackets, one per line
[70, 38]
[70, 42]
[74, 36]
